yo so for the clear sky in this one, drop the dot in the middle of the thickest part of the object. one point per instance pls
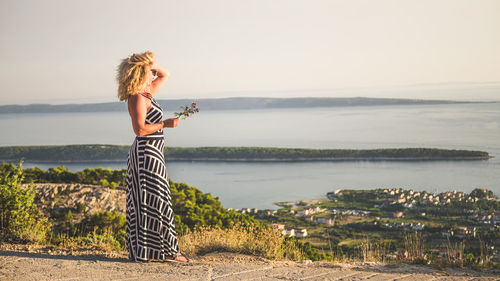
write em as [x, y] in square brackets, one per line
[67, 51]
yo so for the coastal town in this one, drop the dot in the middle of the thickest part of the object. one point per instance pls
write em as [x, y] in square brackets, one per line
[387, 214]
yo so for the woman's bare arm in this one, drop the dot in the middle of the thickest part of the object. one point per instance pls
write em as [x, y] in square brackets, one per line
[137, 110]
[161, 80]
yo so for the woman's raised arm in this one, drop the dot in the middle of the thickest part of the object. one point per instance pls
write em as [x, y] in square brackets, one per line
[158, 83]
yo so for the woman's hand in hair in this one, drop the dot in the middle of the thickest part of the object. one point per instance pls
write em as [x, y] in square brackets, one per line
[161, 80]
[160, 71]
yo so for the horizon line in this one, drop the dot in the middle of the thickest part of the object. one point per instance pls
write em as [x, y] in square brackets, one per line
[462, 83]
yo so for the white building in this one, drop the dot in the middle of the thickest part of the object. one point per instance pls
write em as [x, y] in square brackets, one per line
[278, 226]
[324, 220]
[301, 232]
[289, 232]
[303, 212]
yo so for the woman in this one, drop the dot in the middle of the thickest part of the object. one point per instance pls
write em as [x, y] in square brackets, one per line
[151, 231]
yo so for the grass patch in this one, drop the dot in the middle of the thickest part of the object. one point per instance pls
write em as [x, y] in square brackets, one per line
[267, 243]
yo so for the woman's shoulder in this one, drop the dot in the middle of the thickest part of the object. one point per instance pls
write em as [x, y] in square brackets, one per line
[139, 96]
[137, 99]
[147, 95]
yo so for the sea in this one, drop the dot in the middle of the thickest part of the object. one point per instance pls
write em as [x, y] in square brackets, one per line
[469, 126]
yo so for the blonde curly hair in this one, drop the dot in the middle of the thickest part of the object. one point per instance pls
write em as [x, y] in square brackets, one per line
[132, 74]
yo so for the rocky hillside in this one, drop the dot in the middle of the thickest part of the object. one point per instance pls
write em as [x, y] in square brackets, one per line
[92, 198]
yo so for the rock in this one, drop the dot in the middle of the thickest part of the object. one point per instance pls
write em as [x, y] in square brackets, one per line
[85, 190]
[366, 263]
[94, 197]
[104, 196]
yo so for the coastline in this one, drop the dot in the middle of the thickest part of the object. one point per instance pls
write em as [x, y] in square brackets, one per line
[300, 159]
[331, 159]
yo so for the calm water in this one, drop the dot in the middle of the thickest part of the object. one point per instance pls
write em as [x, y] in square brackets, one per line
[458, 126]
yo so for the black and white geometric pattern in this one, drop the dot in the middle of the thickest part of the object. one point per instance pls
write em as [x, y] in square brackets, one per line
[150, 218]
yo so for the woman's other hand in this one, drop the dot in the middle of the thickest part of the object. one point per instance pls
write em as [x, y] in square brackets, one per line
[172, 122]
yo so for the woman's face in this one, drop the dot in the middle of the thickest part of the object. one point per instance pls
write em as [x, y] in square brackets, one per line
[149, 81]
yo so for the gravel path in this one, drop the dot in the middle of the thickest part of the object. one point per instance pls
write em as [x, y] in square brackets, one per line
[28, 265]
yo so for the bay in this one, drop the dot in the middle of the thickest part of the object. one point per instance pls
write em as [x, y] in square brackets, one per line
[471, 126]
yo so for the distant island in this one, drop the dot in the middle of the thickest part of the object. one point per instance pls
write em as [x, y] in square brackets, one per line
[236, 103]
[105, 152]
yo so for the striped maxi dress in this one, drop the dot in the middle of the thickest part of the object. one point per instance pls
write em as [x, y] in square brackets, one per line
[150, 219]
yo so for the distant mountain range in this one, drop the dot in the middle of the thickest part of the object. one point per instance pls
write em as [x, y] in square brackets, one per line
[235, 103]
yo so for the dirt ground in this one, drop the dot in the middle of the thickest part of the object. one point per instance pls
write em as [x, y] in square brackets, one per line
[20, 262]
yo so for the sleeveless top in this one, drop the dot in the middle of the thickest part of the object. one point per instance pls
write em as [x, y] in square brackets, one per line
[154, 115]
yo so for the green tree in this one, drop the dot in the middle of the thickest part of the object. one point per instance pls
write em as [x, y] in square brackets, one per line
[482, 193]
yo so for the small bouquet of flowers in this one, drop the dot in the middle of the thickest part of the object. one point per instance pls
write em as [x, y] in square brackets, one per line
[187, 111]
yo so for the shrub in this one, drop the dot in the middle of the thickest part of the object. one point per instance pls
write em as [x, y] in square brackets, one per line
[104, 183]
[20, 218]
[102, 222]
[113, 185]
